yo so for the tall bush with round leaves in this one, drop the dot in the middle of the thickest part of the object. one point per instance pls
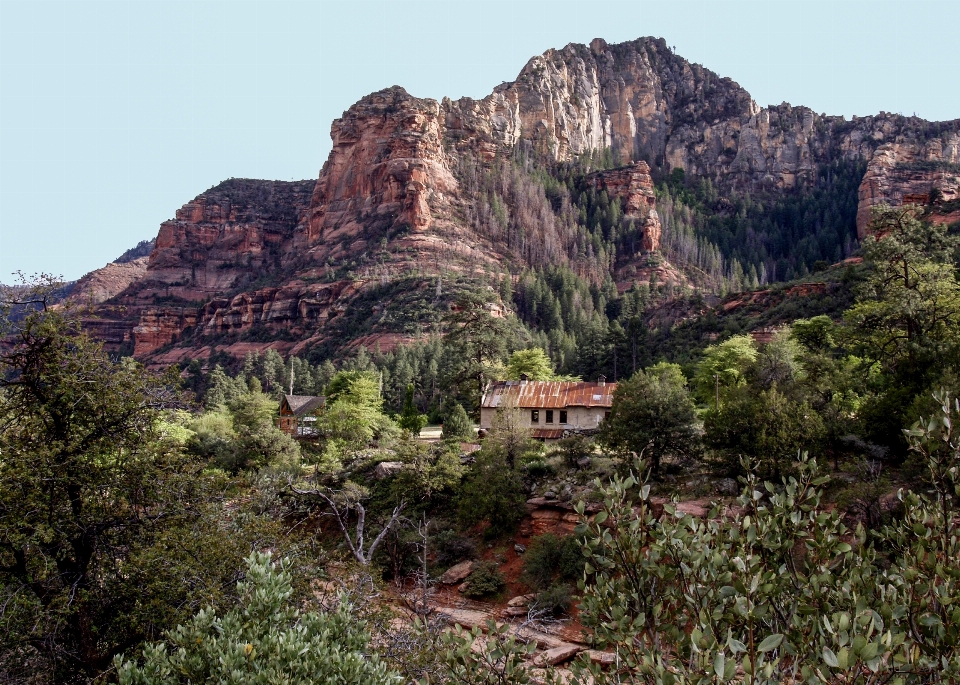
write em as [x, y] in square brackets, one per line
[777, 590]
[263, 641]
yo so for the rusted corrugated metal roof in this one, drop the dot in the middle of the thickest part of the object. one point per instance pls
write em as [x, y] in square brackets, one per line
[549, 394]
[547, 433]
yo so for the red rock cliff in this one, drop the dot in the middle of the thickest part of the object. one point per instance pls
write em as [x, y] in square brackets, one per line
[289, 256]
[898, 170]
[387, 172]
[634, 186]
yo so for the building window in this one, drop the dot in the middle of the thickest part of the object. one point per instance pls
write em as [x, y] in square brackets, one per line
[606, 415]
[535, 416]
[563, 416]
[549, 415]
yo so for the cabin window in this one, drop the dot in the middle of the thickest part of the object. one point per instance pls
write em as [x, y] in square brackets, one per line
[549, 415]
[606, 415]
[563, 416]
[535, 416]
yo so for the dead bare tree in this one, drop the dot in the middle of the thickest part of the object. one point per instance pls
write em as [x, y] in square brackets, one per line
[539, 619]
[340, 504]
[423, 608]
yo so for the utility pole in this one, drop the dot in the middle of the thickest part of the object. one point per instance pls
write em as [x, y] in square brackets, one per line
[716, 377]
[291, 375]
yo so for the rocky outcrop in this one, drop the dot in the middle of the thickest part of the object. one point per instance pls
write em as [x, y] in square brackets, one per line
[226, 238]
[113, 326]
[387, 173]
[294, 305]
[142, 249]
[160, 326]
[395, 197]
[108, 282]
[633, 185]
[903, 173]
[296, 308]
[645, 102]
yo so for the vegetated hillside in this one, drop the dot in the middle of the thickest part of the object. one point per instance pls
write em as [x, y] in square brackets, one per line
[381, 538]
[682, 329]
[618, 163]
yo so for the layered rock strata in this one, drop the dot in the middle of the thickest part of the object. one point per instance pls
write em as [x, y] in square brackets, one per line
[390, 198]
[634, 186]
[109, 281]
[902, 173]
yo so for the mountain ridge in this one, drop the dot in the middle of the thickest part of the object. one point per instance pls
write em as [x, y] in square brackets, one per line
[415, 186]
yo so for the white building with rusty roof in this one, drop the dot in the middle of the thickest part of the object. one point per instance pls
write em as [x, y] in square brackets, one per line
[553, 408]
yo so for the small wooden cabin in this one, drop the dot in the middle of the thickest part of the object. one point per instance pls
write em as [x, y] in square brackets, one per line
[298, 414]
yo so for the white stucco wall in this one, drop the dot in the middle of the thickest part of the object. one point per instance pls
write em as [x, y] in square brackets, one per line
[582, 418]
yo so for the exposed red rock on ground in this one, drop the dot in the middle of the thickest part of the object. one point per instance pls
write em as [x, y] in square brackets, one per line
[946, 219]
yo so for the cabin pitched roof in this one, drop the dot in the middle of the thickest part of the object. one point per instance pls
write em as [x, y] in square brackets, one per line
[548, 394]
[300, 405]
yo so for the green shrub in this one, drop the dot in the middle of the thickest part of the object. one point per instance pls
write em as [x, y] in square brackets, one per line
[574, 448]
[265, 640]
[556, 599]
[550, 559]
[506, 658]
[213, 438]
[485, 580]
[768, 427]
[449, 548]
[457, 425]
[492, 492]
[701, 600]
[410, 418]
[538, 468]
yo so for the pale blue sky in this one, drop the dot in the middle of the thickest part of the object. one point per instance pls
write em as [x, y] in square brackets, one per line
[113, 115]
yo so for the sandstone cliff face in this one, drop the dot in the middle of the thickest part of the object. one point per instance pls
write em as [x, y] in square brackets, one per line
[159, 326]
[387, 172]
[634, 186]
[289, 256]
[296, 307]
[226, 237]
[109, 281]
[293, 305]
[909, 171]
[645, 102]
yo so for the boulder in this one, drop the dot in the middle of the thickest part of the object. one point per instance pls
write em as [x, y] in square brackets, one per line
[521, 600]
[457, 574]
[557, 655]
[696, 508]
[465, 618]
[602, 658]
[728, 487]
[385, 469]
